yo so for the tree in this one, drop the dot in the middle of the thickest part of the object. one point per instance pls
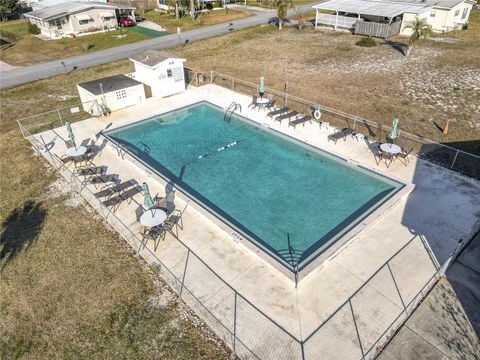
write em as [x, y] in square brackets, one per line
[420, 29]
[7, 7]
[177, 10]
[192, 9]
[282, 10]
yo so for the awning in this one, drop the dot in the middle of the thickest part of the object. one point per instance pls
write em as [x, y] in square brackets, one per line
[83, 17]
[107, 15]
[373, 7]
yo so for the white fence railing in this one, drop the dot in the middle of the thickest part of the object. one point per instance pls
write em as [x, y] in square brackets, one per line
[335, 21]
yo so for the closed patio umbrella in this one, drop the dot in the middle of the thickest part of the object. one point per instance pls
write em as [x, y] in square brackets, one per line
[70, 131]
[147, 198]
[262, 86]
[394, 133]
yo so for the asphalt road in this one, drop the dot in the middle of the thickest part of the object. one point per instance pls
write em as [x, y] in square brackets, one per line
[43, 70]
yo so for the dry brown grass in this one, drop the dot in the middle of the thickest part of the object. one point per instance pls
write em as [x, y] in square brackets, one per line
[168, 21]
[69, 287]
[374, 83]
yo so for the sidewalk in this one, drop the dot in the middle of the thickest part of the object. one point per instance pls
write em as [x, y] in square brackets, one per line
[444, 325]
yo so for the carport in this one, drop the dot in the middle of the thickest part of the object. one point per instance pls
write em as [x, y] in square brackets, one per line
[366, 17]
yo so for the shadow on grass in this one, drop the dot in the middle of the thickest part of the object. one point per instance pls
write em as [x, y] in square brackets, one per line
[398, 46]
[20, 230]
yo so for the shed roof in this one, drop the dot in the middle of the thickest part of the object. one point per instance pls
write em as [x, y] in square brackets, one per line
[152, 58]
[70, 8]
[382, 8]
[109, 84]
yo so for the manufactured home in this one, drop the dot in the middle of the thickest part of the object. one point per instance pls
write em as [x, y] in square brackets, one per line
[385, 18]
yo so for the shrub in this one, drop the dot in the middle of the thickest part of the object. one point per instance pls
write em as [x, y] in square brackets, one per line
[86, 45]
[367, 42]
[33, 29]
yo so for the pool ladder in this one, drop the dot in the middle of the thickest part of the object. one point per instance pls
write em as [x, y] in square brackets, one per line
[230, 110]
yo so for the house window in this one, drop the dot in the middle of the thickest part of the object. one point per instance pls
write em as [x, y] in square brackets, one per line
[457, 12]
[432, 14]
[178, 74]
[465, 13]
[169, 73]
[121, 94]
[56, 23]
[83, 22]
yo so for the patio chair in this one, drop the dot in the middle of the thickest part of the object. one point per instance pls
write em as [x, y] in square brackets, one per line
[287, 116]
[114, 190]
[115, 201]
[388, 158]
[103, 179]
[404, 155]
[278, 112]
[301, 120]
[270, 105]
[91, 170]
[161, 203]
[69, 144]
[374, 147]
[173, 222]
[92, 147]
[340, 133]
[254, 104]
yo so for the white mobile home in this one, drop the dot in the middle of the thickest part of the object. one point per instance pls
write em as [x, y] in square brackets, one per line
[162, 72]
[384, 18]
[69, 18]
[111, 93]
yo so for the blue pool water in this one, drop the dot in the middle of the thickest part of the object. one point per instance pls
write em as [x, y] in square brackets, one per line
[273, 190]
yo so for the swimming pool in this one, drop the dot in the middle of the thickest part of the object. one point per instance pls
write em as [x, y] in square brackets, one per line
[288, 198]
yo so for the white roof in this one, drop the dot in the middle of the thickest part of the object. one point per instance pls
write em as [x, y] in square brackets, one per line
[383, 8]
[70, 8]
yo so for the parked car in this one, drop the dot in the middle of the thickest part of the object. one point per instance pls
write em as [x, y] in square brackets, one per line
[125, 21]
[139, 18]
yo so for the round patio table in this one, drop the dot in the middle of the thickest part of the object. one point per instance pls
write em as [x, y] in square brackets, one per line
[73, 151]
[262, 101]
[153, 217]
[391, 148]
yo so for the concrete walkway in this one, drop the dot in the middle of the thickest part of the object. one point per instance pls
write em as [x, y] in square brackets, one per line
[422, 215]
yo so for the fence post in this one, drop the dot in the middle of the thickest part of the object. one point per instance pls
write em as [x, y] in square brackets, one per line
[196, 79]
[396, 286]
[356, 328]
[211, 76]
[235, 324]
[60, 117]
[184, 273]
[454, 159]
[21, 129]
[233, 84]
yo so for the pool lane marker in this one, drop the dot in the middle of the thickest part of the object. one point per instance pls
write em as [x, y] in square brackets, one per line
[219, 149]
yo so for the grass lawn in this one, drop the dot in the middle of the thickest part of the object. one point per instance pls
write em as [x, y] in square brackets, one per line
[30, 49]
[435, 84]
[168, 21]
[70, 288]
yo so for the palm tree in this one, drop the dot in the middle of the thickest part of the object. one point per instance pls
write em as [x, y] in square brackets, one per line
[192, 9]
[420, 29]
[282, 9]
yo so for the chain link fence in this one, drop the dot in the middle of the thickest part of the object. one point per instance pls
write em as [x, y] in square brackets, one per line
[356, 330]
[455, 159]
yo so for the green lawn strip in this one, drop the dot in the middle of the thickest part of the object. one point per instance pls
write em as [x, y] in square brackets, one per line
[148, 32]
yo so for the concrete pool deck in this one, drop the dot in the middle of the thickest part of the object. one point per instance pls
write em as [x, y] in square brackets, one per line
[441, 210]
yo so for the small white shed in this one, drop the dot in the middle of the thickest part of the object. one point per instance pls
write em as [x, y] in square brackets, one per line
[162, 72]
[115, 92]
